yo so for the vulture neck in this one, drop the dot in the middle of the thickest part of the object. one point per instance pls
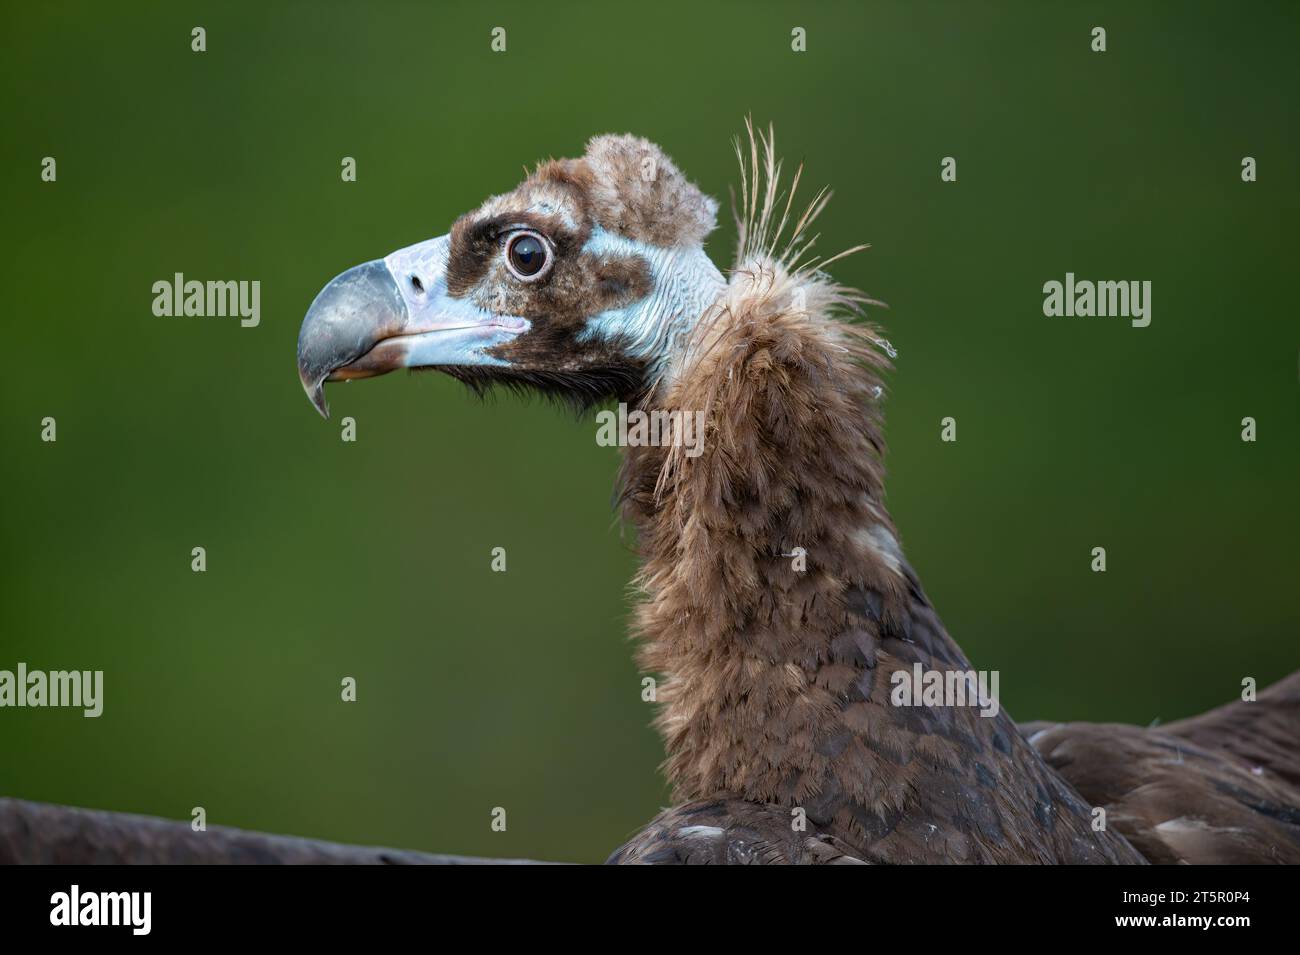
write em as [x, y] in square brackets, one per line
[771, 570]
[779, 610]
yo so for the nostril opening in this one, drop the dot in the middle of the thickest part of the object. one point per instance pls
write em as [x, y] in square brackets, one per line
[417, 284]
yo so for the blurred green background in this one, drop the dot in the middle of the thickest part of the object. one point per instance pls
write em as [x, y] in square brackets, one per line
[371, 559]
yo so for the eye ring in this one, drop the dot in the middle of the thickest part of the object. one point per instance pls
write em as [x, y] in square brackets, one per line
[528, 255]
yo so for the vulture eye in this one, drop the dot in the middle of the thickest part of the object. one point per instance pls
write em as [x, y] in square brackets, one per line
[528, 256]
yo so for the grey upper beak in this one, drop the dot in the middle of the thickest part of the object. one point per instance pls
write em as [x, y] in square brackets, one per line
[351, 314]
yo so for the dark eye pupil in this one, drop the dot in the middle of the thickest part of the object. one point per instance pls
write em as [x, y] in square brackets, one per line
[527, 255]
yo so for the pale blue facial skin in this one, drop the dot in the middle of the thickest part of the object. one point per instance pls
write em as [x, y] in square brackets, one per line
[441, 330]
[684, 283]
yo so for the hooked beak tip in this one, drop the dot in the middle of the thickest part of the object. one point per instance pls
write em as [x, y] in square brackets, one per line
[313, 385]
[316, 393]
[357, 309]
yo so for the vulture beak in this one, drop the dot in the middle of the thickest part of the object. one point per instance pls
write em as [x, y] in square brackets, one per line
[392, 313]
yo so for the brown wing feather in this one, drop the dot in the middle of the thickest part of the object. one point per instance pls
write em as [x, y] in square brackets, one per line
[1264, 734]
[1214, 789]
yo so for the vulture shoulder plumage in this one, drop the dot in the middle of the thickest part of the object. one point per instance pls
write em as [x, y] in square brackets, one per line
[775, 600]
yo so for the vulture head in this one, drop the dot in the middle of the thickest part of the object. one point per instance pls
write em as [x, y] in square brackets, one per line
[579, 283]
